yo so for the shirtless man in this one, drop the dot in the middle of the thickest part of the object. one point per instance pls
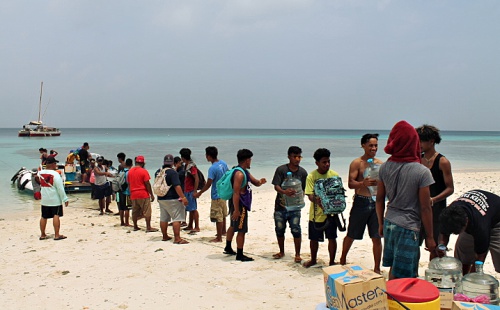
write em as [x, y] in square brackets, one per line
[363, 211]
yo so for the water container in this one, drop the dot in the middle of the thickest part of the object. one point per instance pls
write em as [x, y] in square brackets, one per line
[295, 202]
[478, 283]
[414, 294]
[444, 272]
[372, 173]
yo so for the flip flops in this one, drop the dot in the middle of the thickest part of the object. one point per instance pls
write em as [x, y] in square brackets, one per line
[182, 241]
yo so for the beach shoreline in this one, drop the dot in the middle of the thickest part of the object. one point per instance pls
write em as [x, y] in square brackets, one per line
[103, 265]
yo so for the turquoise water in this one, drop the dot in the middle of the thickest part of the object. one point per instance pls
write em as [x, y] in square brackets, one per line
[466, 150]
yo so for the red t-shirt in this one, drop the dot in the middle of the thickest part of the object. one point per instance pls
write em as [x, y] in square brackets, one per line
[135, 178]
[189, 180]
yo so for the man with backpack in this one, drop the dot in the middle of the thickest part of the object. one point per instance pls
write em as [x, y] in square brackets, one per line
[240, 204]
[191, 183]
[173, 202]
[218, 207]
[123, 193]
[320, 225]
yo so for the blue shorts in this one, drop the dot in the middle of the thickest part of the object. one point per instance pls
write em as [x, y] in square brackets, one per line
[192, 204]
[293, 219]
[363, 214]
[401, 250]
[316, 234]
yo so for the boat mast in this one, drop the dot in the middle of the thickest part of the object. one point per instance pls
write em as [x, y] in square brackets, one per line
[40, 104]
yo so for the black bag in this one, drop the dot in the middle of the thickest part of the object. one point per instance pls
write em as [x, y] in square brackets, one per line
[340, 224]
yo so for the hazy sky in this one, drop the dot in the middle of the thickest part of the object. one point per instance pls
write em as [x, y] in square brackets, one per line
[251, 63]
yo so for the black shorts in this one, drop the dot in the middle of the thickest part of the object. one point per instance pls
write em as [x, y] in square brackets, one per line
[363, 213]
[122, 202]
[102, 191]
[436, 224]
[317, 234]
[241, 224]
[50, 212]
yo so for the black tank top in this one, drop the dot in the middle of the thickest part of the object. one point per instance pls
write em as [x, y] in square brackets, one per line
[439, 184]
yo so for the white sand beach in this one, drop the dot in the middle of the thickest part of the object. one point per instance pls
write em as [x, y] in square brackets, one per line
[104, 266]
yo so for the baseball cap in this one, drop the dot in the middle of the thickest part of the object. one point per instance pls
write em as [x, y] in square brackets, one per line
[100, 158]
[51, 160]
[140, 159]
[168, 159]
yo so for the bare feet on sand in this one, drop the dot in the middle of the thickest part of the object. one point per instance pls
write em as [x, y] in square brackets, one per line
[309, 263]
[278, 255]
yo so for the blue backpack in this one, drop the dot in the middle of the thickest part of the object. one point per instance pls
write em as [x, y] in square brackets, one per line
[225, 184]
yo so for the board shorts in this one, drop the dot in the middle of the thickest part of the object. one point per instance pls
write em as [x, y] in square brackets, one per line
[281, 217]
[192, 204]
[49, 212]
[241, 224]
[172, 210]
[141, 207]
[84, 167]
[123, 202]
[363, 213]
[401, 250]
[218, 210]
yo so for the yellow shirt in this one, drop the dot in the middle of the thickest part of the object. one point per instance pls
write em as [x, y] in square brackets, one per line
[311, 179]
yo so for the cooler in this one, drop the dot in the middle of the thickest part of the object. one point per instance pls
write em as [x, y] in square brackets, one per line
[70, 176]
[415, 294]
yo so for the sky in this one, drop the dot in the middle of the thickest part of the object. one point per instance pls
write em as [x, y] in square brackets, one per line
[251, 63]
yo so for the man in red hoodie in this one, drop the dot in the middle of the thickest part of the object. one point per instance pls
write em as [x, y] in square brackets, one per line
[406, 183]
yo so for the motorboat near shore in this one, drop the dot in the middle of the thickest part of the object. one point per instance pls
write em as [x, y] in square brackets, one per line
[24, 179]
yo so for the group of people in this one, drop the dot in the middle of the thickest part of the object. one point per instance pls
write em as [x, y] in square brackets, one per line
[410, 206]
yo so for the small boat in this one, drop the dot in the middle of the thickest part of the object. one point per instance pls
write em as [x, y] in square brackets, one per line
[37, 128]
[25, 181]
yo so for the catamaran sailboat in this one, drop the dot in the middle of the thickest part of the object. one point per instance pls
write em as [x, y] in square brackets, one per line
[36, 128]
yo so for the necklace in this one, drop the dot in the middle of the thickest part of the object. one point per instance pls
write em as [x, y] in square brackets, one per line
[430, 159]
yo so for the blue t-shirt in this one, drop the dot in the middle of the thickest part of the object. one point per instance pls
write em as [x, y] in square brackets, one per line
[215, 172]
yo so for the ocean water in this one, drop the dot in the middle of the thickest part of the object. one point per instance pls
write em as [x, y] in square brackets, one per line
[467, 151]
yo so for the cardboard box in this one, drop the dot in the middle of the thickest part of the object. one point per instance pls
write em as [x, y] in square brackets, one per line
[354, 287]
[459, 305]
[69, 168]
[446, 298]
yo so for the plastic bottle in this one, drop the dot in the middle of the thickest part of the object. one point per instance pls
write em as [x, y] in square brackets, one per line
[372, 173]
[295, 202]
[444, 272]
[478, 283]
